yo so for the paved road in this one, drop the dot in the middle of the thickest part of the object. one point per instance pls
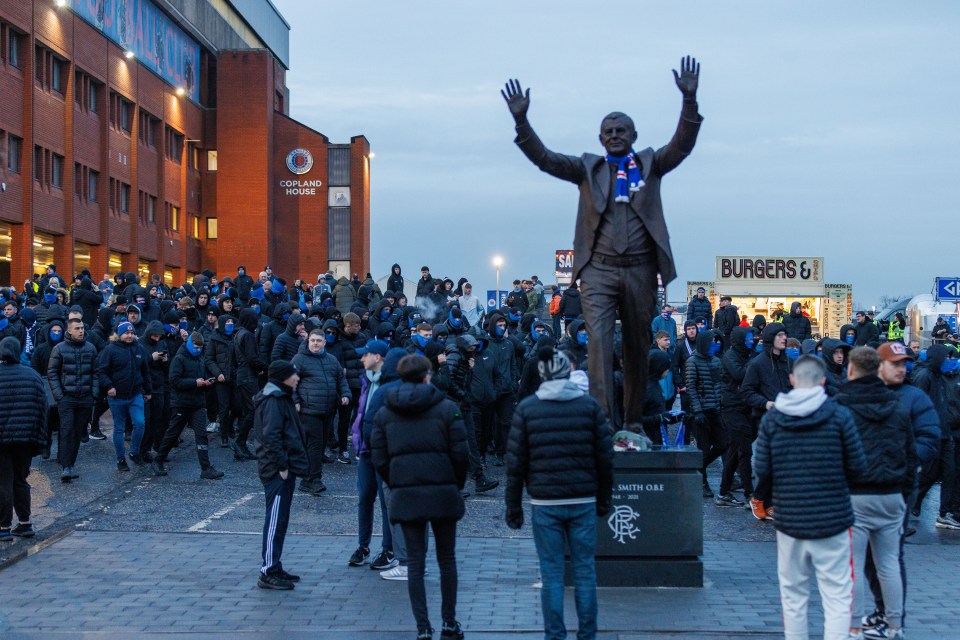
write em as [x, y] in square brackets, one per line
[122, 555]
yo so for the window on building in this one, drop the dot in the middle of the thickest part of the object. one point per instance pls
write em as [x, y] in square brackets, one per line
[195, 227]
[39, 64]
[121, 113]
[14, 148]
[173, 217]
[58, 68]
[124, 198]
[92, 178]
[151, 209]
[78, 180]
[193, 156]
[174, 145]
[38, 164]
[212, 160]
[56, 173]
[93, 91]
[85, 91]
[14, 46]
[148, 129]
[211, 228]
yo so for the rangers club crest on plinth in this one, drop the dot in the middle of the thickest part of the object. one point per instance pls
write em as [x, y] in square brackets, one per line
[299, 161]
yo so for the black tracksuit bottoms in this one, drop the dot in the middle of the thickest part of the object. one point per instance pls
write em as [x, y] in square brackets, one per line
[279, 496]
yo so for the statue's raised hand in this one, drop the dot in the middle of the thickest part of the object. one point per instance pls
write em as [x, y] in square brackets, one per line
[517, 101]
[688, 78]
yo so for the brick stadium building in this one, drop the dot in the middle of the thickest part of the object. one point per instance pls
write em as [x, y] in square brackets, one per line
[154, 136]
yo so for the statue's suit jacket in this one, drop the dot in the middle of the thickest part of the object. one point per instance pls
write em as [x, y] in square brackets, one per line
[592, 174]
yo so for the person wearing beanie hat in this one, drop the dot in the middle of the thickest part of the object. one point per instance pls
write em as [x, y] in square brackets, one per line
[124, 374]
[281, 457]
[560, 449]
[767, 375]
[189, 381]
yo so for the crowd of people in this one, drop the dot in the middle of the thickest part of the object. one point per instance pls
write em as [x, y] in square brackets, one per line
[817, 435]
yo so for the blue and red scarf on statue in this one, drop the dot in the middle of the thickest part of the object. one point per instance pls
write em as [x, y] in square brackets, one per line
[629, 179]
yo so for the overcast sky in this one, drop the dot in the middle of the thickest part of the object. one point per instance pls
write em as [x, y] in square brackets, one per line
[830, 128]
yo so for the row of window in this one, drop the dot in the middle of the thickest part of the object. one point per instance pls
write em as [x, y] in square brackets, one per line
[50, 70]
[12, 42]
[11, 148]
[86, 92]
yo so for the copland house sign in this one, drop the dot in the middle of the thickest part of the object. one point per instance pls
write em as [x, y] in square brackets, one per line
[299, 162]
[769, 275]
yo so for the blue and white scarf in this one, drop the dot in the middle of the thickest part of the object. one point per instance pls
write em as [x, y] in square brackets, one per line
[627, 169]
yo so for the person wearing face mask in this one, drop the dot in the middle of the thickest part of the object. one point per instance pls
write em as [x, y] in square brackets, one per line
[735, 415]
[420, 339]
[576, 342]
[40, 362]
[767, 375]
[73, 381]
[10, 324]
[124, 373]
[793, 348]
[381, 313]
[244, 283]
[189, 380]
[506, 374]
[455, 324]
[939, 380]
[531, 341]
[665, 322]
[220, 364]
[270, 332]
[703, 391]
[322, 390]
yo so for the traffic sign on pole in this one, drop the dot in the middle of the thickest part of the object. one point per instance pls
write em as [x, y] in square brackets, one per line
[948, 289]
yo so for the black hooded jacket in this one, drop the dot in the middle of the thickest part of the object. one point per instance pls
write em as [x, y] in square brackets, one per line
[185, 370]
[943, 390]
[277, 439]
[733, 368]
[836, 373]
[88, 300]
[245, 353]
[288, 343]
[395, 281]
[886, 433]
[570, 305]
[72, 370]
[271, 330]
[23, 396]
[703, 376]
[158, 368]
[218, 356]
[419, 447]
[767, 374]
[796, 324]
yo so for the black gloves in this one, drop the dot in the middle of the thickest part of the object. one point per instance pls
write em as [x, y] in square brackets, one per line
[514, 518]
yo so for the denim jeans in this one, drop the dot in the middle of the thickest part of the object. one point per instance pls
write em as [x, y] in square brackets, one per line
[555, 528]
[369, 488]
[123, 409]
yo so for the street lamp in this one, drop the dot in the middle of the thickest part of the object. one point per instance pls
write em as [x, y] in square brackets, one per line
[498, 262]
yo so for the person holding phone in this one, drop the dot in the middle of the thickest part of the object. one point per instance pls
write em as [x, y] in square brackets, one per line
[189, 381]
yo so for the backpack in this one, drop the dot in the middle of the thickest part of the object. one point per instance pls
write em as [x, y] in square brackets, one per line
[555, 305]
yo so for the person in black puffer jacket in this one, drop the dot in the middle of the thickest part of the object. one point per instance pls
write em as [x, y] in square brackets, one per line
[809, 446]
[737, 423]
[703, 392]
[219, 360]
[72, 374]
[322, 390]
[395, 282]
[654, 405]
[886, 433]
[419, 448]
[571, 306]
[700, 307]
[939, 380]
[189, 380]
[23, 425]
[288, 343]
[560, 448]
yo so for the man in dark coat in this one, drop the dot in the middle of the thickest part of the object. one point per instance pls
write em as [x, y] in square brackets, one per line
[620, 241]
[560, 449]
[395, 281]
[796, 324]
[23, 434]
[703, 392]
[867, 332]
[89, 300]
[244, 283]
[700, 307]
[281, 457]
[737, 422]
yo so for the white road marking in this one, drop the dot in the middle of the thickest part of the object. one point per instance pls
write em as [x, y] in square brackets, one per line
[203, 524]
